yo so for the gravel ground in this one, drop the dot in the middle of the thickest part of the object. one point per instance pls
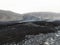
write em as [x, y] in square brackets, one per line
[43, 39]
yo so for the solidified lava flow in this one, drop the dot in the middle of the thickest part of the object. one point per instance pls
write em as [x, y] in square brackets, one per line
[17, 32]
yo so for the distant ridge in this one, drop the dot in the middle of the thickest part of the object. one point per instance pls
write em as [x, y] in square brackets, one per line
[43, 16]
[6, 15]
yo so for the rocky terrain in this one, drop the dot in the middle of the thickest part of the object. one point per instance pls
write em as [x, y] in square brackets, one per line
[38, 28]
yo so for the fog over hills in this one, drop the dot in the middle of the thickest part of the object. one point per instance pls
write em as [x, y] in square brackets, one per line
[42, 16]
[33, 16]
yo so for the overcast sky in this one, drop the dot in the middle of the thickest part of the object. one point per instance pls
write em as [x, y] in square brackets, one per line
[25, 6]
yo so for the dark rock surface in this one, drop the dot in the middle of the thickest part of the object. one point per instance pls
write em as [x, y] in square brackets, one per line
[17, 32]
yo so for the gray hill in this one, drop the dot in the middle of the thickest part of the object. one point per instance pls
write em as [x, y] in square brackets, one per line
[42, 16]
[9, 16]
